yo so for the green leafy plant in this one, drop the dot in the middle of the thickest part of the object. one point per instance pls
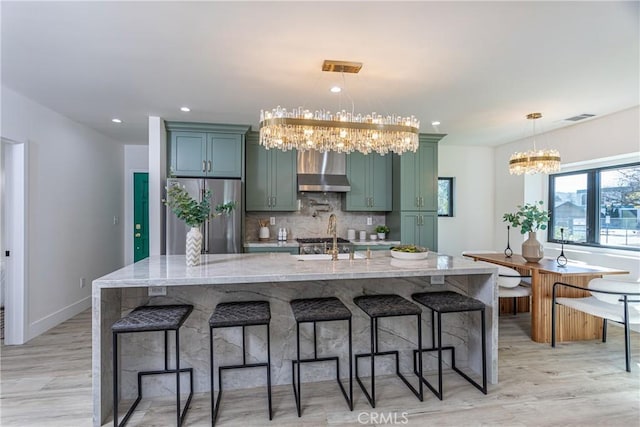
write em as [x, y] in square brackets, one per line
[530, 217]
[382, 229]
[190, 210]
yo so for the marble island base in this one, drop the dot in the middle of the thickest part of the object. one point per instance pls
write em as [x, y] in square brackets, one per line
[143, 351]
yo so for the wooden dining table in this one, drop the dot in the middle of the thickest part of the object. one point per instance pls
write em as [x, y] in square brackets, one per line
[572, 325]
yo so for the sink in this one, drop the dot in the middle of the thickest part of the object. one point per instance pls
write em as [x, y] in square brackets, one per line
[326, 257]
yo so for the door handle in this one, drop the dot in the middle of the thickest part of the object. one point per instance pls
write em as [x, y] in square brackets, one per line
[417, 202]
[204, 166]
[274, 202]
[209, 165]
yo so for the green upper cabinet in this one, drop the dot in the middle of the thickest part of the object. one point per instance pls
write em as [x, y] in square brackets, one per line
[270, 178]
[418, 177]
[370, 179]
[205, 150]
[188, 151]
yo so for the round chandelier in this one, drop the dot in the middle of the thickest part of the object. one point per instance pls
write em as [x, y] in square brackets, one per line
[536, 160]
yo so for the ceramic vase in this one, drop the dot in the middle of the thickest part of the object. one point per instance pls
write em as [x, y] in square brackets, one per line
[532, 250]
[381, 236]
[194, 246]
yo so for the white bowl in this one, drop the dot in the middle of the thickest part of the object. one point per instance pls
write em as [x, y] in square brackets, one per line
[373, 237]
[410, 255]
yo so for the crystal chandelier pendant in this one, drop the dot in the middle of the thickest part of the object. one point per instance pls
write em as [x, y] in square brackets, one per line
[534, 161]
[344, 132]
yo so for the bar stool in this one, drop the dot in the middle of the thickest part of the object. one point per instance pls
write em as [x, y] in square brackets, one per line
[313, 310]
[450, 302]
[151, 318]
[234, 314]
[388, 305]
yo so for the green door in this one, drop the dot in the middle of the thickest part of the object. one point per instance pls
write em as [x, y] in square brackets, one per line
[140, 216]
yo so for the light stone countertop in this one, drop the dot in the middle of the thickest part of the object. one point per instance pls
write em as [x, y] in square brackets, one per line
[295, 244]
[171, 270]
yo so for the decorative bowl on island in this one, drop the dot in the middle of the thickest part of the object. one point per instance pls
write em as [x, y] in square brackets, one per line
[409, 252]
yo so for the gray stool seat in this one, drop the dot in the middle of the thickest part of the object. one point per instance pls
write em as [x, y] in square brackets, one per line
[153, 318]
[244, 313]
[319, 310]
[447, 301]
[386, 305]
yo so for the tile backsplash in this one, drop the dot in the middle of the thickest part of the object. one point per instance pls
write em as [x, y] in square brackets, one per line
[312, 218]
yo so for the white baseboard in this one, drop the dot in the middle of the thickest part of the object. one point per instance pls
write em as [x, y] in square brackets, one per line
[54, 319]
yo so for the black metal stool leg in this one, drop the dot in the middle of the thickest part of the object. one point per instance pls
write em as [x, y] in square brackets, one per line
[269, 371]
[115, 380]
[178, 422]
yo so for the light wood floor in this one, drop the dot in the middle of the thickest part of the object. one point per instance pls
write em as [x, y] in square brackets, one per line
[47, 382]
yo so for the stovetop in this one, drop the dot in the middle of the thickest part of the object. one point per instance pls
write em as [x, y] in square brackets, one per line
[313, 240]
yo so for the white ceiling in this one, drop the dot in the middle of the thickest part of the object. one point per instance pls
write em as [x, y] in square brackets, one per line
[477, 67]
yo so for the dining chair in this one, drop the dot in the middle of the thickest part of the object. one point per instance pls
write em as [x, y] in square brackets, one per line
[511, 284]
[613, 300]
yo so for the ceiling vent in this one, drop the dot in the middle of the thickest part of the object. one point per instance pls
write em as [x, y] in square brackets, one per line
[580, 117]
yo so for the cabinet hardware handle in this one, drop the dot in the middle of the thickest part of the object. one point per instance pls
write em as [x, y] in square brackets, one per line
[269, 201]
[204, 166]
[274, 202]
[137, 234]
[209, 165]
[417, 202]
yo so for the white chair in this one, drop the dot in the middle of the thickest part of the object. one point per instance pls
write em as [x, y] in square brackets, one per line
[615, 300]
[511, 284]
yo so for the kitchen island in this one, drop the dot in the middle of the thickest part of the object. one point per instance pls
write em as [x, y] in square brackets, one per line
[279, 278]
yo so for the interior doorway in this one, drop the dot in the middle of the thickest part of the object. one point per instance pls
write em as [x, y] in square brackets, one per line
[13, 198]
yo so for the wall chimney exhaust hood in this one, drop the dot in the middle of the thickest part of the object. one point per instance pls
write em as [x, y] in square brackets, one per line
[326, 172]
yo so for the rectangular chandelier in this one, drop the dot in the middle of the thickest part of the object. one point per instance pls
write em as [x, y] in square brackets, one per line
[345, 132]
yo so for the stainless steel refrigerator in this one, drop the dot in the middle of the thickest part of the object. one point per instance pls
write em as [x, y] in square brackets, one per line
[222, 234]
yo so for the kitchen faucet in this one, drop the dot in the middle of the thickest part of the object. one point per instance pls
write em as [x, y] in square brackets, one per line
[333, 230]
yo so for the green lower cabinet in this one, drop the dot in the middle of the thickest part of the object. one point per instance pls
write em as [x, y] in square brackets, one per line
[419, 228]
[267, 249]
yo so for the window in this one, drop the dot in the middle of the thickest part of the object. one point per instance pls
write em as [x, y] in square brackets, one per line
[596, 207]
[445, 196]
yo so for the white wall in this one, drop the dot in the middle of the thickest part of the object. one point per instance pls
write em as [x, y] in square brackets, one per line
[136, 159]
[75, 188]
[472, 225]
[608, 136]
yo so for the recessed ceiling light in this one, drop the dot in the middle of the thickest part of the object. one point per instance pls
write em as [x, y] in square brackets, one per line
[336, 89]
[436, 123]
[185, 109]
[116, 120]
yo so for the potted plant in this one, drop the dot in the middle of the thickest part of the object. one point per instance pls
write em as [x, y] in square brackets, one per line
[530, 217]
[382, 231]
[194, 213]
